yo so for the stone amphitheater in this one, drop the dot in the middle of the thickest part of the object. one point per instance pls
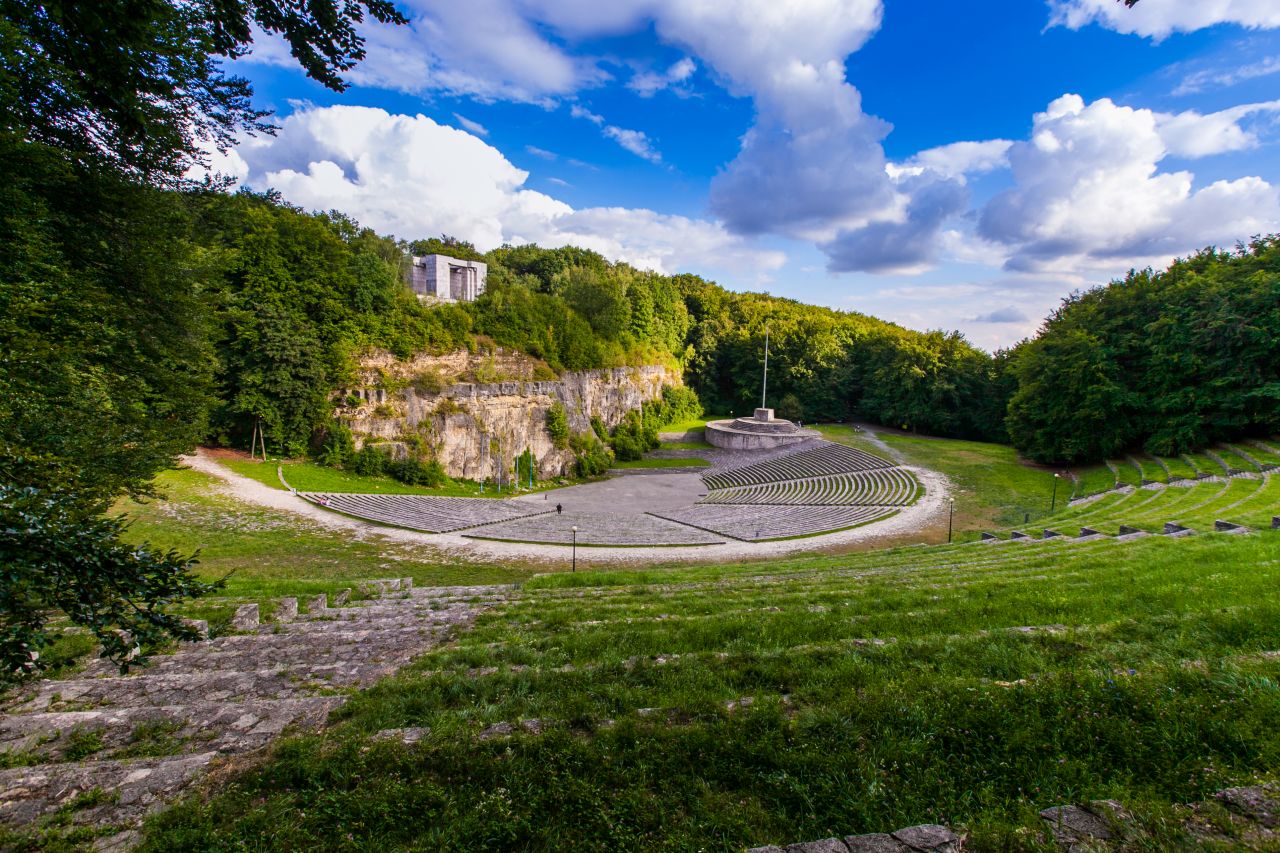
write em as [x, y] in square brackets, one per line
[805, 489]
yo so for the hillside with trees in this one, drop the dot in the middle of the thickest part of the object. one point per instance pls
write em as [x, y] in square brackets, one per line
[1167, 361]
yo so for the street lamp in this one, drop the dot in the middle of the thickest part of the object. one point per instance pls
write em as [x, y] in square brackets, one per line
[950, 516]
[575, 547]
[1054, 502]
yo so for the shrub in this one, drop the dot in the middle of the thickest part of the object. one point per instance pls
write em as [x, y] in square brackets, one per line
[558, 425]
[338, 445]
[369, 461]
[592, 456]
[633, 437]
[598, 427]
[414, 472]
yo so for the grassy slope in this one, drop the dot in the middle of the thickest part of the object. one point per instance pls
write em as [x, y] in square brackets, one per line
[309, 477]
[1153, 692]
[994, 489]
[269, 553]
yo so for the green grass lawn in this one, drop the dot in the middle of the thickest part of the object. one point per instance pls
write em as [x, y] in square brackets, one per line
[720, 707]
[1204, 464]
[1151, 469]
[685, 445]
[1091, 479]
[693, 424]
[266, 553]
[1178, 468]
[678, 462]
[1234, 460]
[850, 436]
[310, 477]
[994, 488]
[1127, 474]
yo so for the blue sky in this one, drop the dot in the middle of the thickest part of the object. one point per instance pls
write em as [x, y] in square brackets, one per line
[939, 164]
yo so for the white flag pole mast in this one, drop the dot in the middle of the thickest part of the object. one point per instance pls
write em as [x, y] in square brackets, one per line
[764, 388]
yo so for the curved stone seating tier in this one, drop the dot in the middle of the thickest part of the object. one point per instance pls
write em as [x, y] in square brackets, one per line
[820, 461]
[883, 487]
[757, 523]
[425, 512]
[596, 528]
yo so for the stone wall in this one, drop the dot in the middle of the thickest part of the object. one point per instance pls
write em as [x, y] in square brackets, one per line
[476, 427]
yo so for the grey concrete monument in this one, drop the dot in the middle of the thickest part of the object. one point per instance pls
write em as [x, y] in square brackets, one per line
[447, 279]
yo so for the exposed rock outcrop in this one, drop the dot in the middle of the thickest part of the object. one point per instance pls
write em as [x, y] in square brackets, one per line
[478, 412]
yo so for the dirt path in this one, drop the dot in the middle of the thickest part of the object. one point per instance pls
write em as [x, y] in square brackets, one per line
[917, 517]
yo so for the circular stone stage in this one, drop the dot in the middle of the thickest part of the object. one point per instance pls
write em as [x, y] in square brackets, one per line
[762, 431]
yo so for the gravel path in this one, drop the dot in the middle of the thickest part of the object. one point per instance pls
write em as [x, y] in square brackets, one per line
[928, 510]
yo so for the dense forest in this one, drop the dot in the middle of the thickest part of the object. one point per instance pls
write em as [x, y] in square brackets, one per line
[1168, 361]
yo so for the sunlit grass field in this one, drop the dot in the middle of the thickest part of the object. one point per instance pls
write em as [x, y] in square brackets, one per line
[714, 708]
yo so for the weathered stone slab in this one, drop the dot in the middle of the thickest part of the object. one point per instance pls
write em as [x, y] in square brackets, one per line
[1172, 528]
[825, 845]
[876, 842]
[138, 787]
[287, 610]
[1088, 531]
[1259, 803]
[318, 605]
[990, 537]
[342, 597]
[929, 838]
[406, 583]
[246, 618]
[1050, 534]
[1229, 527]
[1018, 534]
[410, 735]
[1074, 827]
[200, 626]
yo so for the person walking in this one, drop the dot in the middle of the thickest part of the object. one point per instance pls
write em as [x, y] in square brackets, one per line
[559, 509]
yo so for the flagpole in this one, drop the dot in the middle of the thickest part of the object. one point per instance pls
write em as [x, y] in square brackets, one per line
[764, 389]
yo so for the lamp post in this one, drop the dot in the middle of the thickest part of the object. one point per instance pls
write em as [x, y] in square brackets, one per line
[1054, 502]
[950, 516]
[575, 547]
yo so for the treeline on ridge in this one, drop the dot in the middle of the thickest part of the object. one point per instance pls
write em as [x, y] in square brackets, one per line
[1167, 361]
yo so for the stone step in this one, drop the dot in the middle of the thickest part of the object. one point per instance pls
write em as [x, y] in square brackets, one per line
[277, 649]
[157, 688]
[377, 622]
[134, 788]
[218, 726]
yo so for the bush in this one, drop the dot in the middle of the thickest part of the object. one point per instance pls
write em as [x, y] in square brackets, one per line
[414, 472]
[558, 425]
[598, 427]
[633, 437]
[369, 461]
[593, 457]
[338, 445]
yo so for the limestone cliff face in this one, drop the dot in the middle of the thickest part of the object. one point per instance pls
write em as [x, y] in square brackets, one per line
[476, 428]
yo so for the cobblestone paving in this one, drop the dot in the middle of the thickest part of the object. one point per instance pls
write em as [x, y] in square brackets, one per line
[102, 750]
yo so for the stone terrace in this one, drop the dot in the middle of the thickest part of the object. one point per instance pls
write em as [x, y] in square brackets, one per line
[102, 750]
[596, 528]
[761, 522]
[425, 512]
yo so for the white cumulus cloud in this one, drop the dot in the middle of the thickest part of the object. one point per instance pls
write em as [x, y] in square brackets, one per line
[412, 177]
[1160, 18]
[646, 84]
[1089, 191]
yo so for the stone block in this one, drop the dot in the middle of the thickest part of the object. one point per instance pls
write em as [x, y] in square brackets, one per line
[287, 610]
[1018, 534]
[1172, 527]
[246, 618]
[201, 627]
[318, 605]
[1073, 826]
[409, 735]
[1088, 531]
[990, 537]
[406, 583]
[876, 842]
[1275, 522]
[391, 585]
[1050, 534]
[768, 848]
[1227, 526]
[342, 597]
[1126, 530]
[1259, 803]
[825, 845]
[929, 838]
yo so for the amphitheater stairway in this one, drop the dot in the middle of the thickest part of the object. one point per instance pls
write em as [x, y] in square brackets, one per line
[100, 750]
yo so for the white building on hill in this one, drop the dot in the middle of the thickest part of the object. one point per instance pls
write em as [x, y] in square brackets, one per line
[447, 279]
